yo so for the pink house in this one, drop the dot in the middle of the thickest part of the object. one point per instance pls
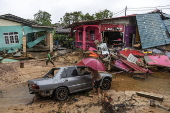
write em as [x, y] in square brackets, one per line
[111, 31]
[85, 36]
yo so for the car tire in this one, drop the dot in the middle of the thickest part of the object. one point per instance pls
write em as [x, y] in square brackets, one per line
[61, 94]
[106, 84]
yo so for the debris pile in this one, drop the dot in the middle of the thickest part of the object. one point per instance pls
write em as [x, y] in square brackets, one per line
[139, 63]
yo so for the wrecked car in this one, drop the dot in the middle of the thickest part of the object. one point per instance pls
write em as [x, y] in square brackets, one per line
[62, 81]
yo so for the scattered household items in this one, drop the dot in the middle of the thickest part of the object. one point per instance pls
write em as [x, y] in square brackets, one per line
[132, 58]
[92, 49]
[92, 54]
[157, 51]
[65, 80]
[103, 48]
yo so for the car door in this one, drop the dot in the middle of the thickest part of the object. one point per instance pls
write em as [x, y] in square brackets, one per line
[87, 80]
[72, 79]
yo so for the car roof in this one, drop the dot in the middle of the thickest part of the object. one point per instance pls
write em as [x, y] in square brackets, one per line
[70, 66]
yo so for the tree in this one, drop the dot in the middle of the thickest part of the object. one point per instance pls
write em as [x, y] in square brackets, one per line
[77, 16]
[70, 18]
[103, 14]
[42, 18]
[87, 17]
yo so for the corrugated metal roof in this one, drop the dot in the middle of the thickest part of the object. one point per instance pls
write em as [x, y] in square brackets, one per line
[152, 30]
[166, 15]
[167, 22]
[136, 67]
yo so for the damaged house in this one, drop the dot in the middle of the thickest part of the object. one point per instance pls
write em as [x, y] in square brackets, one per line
[113, 31]
[147, 30]
[20, 34]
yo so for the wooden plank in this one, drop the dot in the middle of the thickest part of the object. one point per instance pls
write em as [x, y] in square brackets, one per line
[147, 95]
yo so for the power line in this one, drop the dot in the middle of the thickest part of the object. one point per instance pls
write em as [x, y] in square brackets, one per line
[119, 12]
[141, 9]
[149, 7]
[146, 9]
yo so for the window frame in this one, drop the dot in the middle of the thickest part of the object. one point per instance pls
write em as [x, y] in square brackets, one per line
[66, 72]
[11, 38]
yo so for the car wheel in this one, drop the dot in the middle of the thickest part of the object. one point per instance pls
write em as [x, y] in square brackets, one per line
[61, 94]
[106, 84]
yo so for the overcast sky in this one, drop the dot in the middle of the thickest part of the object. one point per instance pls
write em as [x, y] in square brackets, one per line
[57, 8]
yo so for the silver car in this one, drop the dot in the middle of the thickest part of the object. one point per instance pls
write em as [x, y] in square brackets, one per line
[60, 82]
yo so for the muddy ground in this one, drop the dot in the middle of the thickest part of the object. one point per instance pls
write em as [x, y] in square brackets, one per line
[15, 96]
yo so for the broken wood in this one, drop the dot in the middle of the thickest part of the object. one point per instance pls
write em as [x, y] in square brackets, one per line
[147, 95]
[153, 104]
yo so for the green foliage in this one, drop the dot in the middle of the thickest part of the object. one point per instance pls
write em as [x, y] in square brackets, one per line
[103, 14]
[87, 17]
[70, 18]
[60, 38]
[77, 16]
[63, 39]
[42, 18]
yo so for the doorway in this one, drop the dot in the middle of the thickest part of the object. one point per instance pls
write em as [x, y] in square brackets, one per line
[112, 37]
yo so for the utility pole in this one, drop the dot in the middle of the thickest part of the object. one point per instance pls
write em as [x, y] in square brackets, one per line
[125, 10]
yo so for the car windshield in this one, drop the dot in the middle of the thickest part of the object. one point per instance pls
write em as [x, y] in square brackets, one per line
[51, 73]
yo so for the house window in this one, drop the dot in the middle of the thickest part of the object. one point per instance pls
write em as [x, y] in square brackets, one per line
[80, 36]
[11, 38]
[87, 35]
[92, 35]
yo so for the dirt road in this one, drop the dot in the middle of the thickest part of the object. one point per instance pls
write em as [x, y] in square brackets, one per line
[15, 96]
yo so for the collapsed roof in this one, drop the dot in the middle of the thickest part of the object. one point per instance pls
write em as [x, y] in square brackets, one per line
[154, 29]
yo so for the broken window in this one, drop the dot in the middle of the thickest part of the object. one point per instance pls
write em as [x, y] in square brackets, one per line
[11, 38]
